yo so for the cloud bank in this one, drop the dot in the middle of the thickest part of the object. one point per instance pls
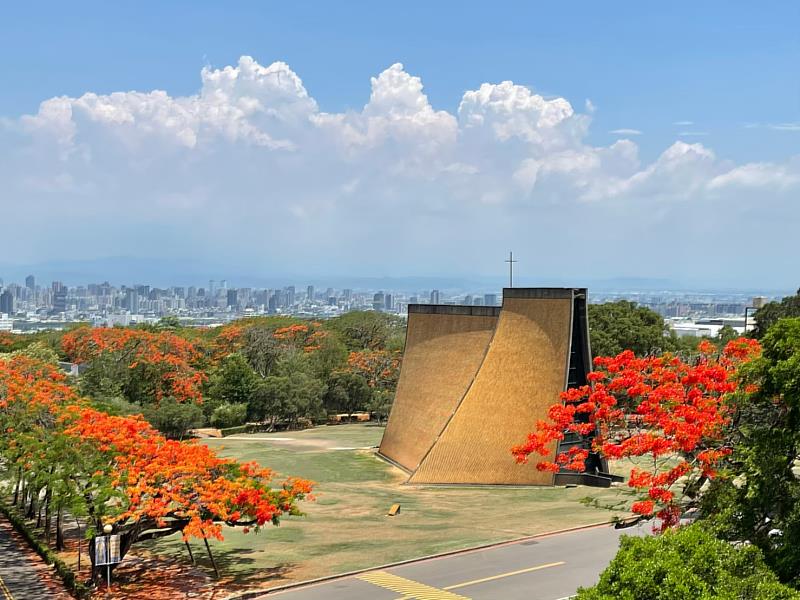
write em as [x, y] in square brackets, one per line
[253, 172]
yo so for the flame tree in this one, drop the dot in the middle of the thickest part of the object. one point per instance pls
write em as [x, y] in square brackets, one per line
[143, 366]
[66, 455]
[671, 417]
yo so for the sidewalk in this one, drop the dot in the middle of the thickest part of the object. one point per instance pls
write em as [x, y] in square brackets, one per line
[23, 573]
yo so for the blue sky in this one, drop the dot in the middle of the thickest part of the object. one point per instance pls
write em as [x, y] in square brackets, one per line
[720, 77]
[646, 66]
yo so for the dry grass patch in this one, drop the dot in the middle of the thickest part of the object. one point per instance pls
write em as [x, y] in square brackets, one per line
[346, 528]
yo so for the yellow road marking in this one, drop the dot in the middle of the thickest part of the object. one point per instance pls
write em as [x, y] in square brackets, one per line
[6, 592]
[410, 589]
[502, 575]
[485, 579]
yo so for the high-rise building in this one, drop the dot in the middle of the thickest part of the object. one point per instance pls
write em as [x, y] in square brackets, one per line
[211, 289]
[388, 302]
[490, 299]
[347, 294]
[759, 301]
[435, 297]
[30, 282]
[132, 301]
[468, 299]
[378, 301]
[232, 299]
[60, 300]
[56, 286]
[7, 302]
[310, 293]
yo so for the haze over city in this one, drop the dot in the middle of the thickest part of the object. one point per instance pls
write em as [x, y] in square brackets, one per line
[426, 144]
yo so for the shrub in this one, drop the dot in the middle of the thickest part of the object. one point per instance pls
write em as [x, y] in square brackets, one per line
[229, 415]
[687, 564]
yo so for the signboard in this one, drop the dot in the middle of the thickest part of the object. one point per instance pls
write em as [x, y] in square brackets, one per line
[106, 550]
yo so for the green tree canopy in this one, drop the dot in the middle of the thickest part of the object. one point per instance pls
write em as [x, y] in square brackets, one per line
[287, 398]
[234, 381]
[229, 415]
[174, 419]
[621, 325]
[261, 349]
[686, 564]
[347, 393]
[368, 329]
[760, 500]
[771, 312]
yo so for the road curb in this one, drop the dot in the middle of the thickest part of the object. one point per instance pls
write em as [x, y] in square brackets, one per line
[251, 595]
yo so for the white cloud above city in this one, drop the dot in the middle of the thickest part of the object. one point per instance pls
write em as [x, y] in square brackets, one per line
[253, 169]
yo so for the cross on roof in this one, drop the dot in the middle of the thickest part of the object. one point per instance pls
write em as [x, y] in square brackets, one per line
[510, 260]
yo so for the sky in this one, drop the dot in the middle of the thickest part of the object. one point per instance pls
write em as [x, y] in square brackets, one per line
[595, 140]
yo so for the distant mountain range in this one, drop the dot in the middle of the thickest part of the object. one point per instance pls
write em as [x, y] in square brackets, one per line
[164, 272]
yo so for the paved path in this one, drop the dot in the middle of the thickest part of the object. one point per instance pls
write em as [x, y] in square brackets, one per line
[21, 570]
[545, 568]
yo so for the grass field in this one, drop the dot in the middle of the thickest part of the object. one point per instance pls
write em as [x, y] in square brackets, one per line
[347, 528]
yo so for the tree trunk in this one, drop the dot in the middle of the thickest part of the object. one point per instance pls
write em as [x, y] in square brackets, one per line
[80, 542]
[47, 514]
[211, 556]
[191, 556]
[32, 507]
[59, 529]
[18, 485]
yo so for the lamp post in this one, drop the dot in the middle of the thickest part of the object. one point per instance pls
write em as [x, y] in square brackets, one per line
[107, 529]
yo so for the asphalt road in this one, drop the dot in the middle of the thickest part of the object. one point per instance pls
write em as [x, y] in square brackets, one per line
[545, 568]
[19, 579]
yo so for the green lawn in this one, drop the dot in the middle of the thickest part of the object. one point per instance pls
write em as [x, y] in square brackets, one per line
[347, 528]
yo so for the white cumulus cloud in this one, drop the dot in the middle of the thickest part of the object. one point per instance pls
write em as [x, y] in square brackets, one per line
[252, 171]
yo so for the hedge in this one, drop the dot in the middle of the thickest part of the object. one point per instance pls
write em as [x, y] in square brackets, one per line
[78, 588]
[235, 430]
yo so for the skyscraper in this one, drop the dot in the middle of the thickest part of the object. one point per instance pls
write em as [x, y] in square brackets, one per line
[7, 302]
[435, 297]
[378, 301]
[310, 293]
[60, 300]
[232, 299]
[388, 302]
[132, 301]
[490, 299]
[30, 282]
